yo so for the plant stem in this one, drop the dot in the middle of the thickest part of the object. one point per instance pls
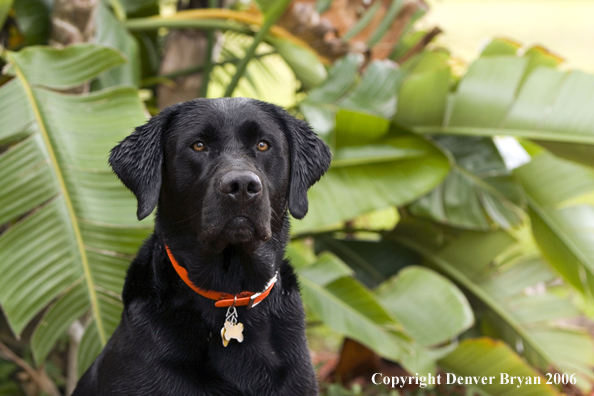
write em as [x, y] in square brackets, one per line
[40, 378]
[144, 24]
[196, 69]
[75, 333]
[345, 230]
[270, 19]
[209, 53]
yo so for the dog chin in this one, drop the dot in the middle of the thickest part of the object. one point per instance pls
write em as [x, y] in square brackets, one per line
[240, 231]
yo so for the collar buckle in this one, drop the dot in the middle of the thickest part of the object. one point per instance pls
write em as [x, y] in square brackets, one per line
[252, 303]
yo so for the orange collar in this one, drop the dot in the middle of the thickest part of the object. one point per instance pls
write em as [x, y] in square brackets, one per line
[223, 299]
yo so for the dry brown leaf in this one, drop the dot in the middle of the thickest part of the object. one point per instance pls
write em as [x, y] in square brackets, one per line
[323, 32]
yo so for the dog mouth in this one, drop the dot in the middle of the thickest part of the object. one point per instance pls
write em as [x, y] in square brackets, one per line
[240, 230]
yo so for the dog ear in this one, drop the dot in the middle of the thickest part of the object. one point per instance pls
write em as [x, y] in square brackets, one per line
[310, 159]
[137, 161]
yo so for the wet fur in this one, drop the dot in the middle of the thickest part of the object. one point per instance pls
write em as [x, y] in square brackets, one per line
[168, 341]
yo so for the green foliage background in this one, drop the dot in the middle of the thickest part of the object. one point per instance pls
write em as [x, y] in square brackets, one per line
[424, 242]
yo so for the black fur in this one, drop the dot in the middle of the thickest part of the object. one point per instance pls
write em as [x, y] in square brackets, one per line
[168, 341]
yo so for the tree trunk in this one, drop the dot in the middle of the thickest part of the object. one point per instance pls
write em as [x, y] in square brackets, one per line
[73, 21]
[184, 48]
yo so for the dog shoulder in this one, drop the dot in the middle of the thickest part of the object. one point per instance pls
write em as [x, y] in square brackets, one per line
[289, 282]
[140, 278]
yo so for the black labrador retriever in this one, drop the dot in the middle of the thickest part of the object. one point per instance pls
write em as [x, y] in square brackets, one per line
[211, 307]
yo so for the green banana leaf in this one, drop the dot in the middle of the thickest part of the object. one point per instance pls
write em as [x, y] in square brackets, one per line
[484, 357]
[5, 6]
[33, 20]
[506, 95]
[111, 32]
[319, 107]
[479, 193]
[354, 128]
[134, 6]
[544, 315]
[341, 77]
[537, 56]
[393, 171]
[348, 307]
[71, 222]
[374, 166]
[501, 46]
[527, 322]
[305, 64]
[372, 262]
[563, 232]
[430, 307]
[374, 94]
[423, 95]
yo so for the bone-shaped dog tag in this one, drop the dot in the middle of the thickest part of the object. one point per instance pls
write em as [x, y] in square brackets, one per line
[225, 341]
[231, 329]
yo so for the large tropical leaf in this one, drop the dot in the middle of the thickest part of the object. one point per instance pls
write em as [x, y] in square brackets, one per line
[373, 166]
[71, 227]
[374, 94]
[422, 98]
[305, 64]
[348, 307]
[393, 171]
[134, 6]
[111, 32]
[319, 107]
[564, 232]
[484, 357]
[376, 320]
[33, 19]
[544, 315]
[479, 193]
[373, 262]
[4, 9]
[521, 97]
[430, 307]
[528, 322]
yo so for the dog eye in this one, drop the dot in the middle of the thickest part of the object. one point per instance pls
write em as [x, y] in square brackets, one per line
[199, 146]
[263, 146]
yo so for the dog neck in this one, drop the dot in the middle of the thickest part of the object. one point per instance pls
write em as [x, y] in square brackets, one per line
[245, 298]
[232, 270]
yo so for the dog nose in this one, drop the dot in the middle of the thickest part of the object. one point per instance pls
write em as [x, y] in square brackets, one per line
[241, 186]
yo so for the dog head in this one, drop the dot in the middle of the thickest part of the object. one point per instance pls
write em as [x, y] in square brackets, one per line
[225, 170]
